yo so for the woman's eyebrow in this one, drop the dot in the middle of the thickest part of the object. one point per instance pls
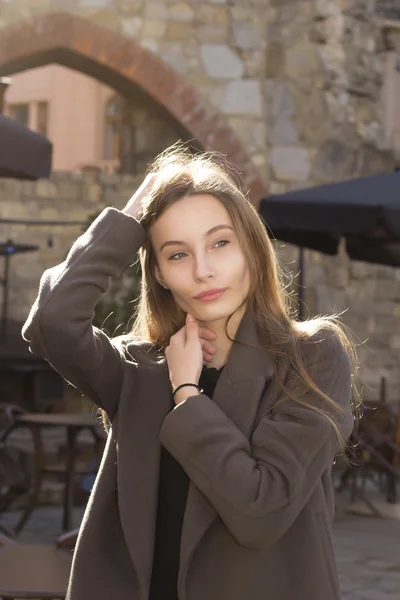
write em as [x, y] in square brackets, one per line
[212, 230]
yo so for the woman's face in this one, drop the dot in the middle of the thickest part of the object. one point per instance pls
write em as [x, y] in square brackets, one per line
[197, 249]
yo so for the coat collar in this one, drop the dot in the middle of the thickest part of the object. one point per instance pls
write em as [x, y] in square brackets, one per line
[245, 362]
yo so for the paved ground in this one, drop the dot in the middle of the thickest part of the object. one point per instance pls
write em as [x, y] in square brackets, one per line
[368, 557]
[367, 549]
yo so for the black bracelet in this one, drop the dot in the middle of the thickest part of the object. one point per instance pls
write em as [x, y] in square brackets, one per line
[185, 384]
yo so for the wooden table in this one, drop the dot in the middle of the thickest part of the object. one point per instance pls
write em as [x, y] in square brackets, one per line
[73, 424]
[33, 571]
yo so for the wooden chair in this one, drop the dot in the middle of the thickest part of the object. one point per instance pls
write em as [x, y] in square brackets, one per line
[35, 571]
[374, 456]
[15, 480]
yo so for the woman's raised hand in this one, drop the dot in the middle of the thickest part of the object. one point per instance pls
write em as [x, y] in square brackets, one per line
[134, 206]
[188, 349]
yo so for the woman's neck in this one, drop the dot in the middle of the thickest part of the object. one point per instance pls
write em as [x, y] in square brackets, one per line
[222, 343]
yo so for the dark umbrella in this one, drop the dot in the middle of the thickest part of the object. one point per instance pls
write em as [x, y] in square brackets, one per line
[24, 154]
[365, 211]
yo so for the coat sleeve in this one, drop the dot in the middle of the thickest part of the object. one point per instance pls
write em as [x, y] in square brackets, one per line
[259, 487]
[59, 327]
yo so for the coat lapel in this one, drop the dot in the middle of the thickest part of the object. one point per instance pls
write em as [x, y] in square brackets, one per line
[138, 468]
[238, 392]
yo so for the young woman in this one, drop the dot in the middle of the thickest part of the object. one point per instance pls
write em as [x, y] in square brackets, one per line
[226, 414]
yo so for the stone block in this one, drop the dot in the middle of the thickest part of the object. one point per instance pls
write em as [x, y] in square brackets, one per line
[384, 307]
[178, 31]
[275, 59]
[359, 270]
[283, 102]
[241, 127]
[177, 60]
[327, 8]
[302, 60]
[253, 64]
[49, 213]
[132, 27]
[242, 97]
[335, 160]
[360, 9]
[212, 15]
[129, 8]
[283, 133]
[106, 18]
[242, 13]
[395, 343]
[260, 135]
[96, 3]
[93, 193]
[245, 35]
[221, 62]
[315, 274]
[290, 163]
[45, 188]
[212, 34]
[154, 29]
[180, 12]
[329, 300]
[155, 11]
[387, 289]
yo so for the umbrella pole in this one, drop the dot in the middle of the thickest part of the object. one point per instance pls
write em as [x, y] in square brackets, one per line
[300, 286]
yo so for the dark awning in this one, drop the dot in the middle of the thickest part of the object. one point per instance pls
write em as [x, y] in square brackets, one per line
[24, 154]
[365, 211]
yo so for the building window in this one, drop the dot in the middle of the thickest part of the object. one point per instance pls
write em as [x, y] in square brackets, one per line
[113, 121]
[42, 118]
[20, 113]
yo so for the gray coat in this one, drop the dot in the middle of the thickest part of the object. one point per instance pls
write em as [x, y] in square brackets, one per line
[260, 504]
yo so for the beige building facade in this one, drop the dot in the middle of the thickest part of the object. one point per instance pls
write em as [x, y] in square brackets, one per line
[69, 108]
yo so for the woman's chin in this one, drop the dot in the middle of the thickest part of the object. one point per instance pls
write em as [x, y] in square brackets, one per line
[213, 312]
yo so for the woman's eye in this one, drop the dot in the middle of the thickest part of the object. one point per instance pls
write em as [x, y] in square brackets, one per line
[175, 255]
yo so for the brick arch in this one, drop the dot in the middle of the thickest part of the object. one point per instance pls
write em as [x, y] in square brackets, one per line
[124, 65]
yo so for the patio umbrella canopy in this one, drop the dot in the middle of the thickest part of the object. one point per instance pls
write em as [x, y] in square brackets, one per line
[365, 211]
[24, 154]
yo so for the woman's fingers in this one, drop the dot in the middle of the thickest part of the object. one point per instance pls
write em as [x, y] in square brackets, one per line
[207, 347]
[179, 336]
[206, 334]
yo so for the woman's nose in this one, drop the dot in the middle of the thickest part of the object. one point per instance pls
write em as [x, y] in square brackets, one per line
[203, 267]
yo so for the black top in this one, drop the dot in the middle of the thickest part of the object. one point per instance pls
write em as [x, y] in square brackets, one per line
[173, 489]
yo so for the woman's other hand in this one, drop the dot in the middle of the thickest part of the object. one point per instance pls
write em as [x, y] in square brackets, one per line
[188, 349]
[134, 207]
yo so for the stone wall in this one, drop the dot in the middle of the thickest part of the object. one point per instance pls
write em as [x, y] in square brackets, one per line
[297, 82]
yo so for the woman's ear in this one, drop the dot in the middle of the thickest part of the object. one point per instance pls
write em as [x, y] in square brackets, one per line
[159, 276]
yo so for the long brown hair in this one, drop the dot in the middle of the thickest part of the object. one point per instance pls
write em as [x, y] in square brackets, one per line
[158, 317]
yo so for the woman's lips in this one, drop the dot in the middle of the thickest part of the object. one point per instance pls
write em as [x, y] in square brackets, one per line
[211, 297]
